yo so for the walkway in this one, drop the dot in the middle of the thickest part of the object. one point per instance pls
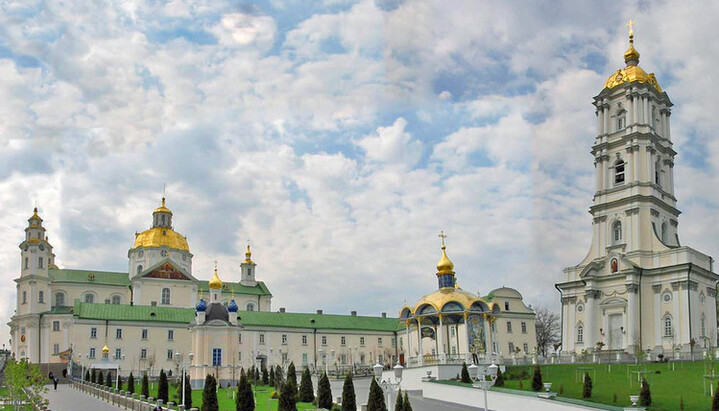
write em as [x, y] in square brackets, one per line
[67, 398]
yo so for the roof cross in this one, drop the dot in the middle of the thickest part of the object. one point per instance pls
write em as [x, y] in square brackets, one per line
[631, 27]
[442, 235]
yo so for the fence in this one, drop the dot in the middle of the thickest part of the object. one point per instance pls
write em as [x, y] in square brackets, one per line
[123, 399]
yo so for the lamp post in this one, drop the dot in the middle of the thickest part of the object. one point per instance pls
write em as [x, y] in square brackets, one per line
[388, 385]
[82, 377]
[117, 374]
[481, 381]
[179, 360]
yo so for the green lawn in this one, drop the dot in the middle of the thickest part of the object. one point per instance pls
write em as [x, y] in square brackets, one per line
[667, 386]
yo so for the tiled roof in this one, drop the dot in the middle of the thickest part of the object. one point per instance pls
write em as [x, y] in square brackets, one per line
[89, 277]
[125, 312]
[237, 288]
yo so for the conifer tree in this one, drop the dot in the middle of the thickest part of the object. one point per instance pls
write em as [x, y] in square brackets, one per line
[188, 393]
[93, 376]
[272, 376]
[349, 400]
[465, 374]
[87, 376]
[244, 401]
[265, 377]
[288, 397]
[375, 402]
[306, 393]
[500, 378]
[292, 376]
[131, 383]
[279, 379]
[108, 379]
[145, 386]
[162, 388]
[209, 394]
[587, 386]
[324, 393]
[407, 405]
[119, 382]
[399, 402]
[645, 396]
[257, 375]
[100, 378]
[537, 379]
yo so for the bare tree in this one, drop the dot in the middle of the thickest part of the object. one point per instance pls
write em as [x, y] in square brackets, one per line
[547, 327]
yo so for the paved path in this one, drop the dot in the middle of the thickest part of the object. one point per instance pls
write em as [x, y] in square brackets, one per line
[67, 398]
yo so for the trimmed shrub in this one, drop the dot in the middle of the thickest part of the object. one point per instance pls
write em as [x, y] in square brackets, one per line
[537, 379]
[272, 376]
[131, 383]
[108, 379]
[162, 388]
[93, 376]
[265, 376]
[349, 400]
[292, 376]
[715, 401]
[407, 405]
[119, 382]
[375, 402]
[279, 378]
[500, 378]
[288, 397]
[465, 374]
[244, 401]
[209, 394]
[306, 393]
[587, 386]
[399, 402]
[645, 396]
[145, 386]
[100, 378]
[87, 375]
[188, 393]
[324, 392]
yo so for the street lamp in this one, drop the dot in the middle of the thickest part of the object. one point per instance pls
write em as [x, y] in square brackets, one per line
[482, 382]
[388, 385]
[180, 361]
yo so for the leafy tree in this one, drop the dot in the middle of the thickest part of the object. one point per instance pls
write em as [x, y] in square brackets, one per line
[399, 402]
[500, 378]
[244, 401]
[87, 375]
[272, 376]
[407, 405]
[188, 393]
[375, 402]
[537, 379]
[587, 386]
[465, 374]
[93, 376]
[645, 396]
[108, 379]
[162, 388]
[100, 378]
[306, 393]
[265, 377]
[279, 380]
[547, 326]
[131, 383]
[288, 397]
[24, 381]
[324, 393]
[145, 386]
[349, 400]
[292, 376]
[209, 394]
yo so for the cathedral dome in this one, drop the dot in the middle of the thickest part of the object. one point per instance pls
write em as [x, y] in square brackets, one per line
[215, 282]
[232, 306]
[217, 311]
[201, 305]
[159, 237]
[632, 72]
[439, 298]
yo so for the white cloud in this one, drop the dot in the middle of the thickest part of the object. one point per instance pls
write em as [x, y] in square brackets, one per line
[392, 145]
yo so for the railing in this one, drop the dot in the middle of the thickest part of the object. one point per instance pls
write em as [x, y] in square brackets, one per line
[123, 399]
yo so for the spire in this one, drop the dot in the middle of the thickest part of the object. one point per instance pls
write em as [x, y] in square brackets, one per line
[215, 283]
[631, 56]
[35, 216]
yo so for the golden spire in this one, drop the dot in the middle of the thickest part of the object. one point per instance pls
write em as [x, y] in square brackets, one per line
[248, 254]
[215, 283]
[444, 266]
[631, 56]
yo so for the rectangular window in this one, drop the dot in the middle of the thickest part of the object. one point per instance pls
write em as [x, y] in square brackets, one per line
[324, 340]
[362, 341]
[509, 327]
[379, 341]
[144, 333]
[41, 297]
[284, 357]
[93, 332]
[56, 325]
[381, 357]
[511, 348]
[526, 348]
[143, 353]
[304, 340]
[343, 341]
[451, 331]
[362, 358]
[454, 350]
[170, 335]
[118, 353]
[27, 263]
[262, 338]
[39, 262]
[24, 297]
[284, 339]
[92, 353]
[56, 348]
[524, 327]
[343, 359]
[169, 354]
[304, 360]
[239, 356]
[118, 334]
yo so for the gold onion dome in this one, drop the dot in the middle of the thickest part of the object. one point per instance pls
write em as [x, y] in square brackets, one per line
[35, 216]
[445, 265]
[215, 282]
[162, 208]
[632, 72]
[248, 255]
[105, 349]
[159, 236]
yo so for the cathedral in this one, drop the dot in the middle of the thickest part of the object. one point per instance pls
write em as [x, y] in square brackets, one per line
[638, 289]
[158, 315]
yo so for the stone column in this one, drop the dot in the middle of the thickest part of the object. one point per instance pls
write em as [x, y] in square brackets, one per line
[635, 163]
[647, 113]
[419, 342]
[598, 173]
[635, 112]
[591, 321]
[487, 334]
[409, 341]
[440, 339]
[668, 132]
[650, 165]
[598, 113]
[658, 330]
[632, 317]
[629, 166]
[605, 110]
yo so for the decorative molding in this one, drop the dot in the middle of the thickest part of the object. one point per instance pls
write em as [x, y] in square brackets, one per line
[711, 291]
[676, 285]
[674, 223]
[631, 211]
[632, 288]
[569, 300]
[690, 285]
[654, 212]
[657, 288]
[592, 294]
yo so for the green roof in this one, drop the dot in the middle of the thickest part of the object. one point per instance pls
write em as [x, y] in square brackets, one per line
[237, 288]
[124, 312]
[84, 277]
[59, 310]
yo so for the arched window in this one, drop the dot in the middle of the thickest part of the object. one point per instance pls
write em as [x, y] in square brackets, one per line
[657, 172]
[116, 299]
[664, 232]
[621, 119]
[619, 172]
[59, 299]
[580, 333]
[166, 296]
[506, 306]
[139, 269]
[668, 328]
[250, 307]
[617, 232]
[89, 298]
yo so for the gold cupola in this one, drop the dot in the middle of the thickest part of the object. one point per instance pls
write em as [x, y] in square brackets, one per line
[445, 265]
[215, 282]
[105, 349]
[632, 72]
[161, 234]
[248, 255]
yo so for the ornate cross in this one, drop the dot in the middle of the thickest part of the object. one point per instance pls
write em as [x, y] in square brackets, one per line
[631, 25]
[442, 235]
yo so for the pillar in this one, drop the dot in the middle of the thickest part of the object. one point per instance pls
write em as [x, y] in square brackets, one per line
[658, 314]
[635, 163]
[597, 174]
[605, 116]
[591, 323]
[487, 334]
[440, 338]
[598, 113]
[635, 111]
[409, 341]
[668, 132]
[419, 339]
[647, 119]
[632, 317]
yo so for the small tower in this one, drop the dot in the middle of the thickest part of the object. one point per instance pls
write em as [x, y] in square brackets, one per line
[248, 269]
[36, 256]
[215, 287]
[445, 267]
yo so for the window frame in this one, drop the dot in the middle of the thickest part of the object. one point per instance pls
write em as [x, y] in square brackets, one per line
[165, 296]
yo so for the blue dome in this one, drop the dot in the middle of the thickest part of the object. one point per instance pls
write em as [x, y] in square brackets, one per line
[201, 305]
[232, 307]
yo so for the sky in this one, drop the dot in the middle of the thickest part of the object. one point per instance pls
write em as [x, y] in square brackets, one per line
[339, 137]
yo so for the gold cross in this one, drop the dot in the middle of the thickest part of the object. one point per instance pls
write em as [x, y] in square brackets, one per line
[631, 25]
[215, 265]
[442, 235]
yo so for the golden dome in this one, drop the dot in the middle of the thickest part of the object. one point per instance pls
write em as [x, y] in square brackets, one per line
[248, 255]
[632, 72]
[105, 349]
[162, 208]
[215, 282]
[161, 236]
[34, 215]
[444, 266]
[439, 298]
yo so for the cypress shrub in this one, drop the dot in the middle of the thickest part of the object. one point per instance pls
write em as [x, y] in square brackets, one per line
[265, 376]
[375, 402]
[108, 379]
[537, 379]
[407, 405]
[288, 397]
[279, 380]
[465, 374]
[306, 393]
[399, 402]
[349, 400]
[324, 393]
[257, 375]
[209, 394]
[244, 401]
[119, 382]
[162, 388]
[188, 393]
[145, 386]
[272, 376]
[645, 396]
[131, 383]
[93, 376]
[292, 376]
[587, 386]
[87, 375]
[100, 378]
[500, 378]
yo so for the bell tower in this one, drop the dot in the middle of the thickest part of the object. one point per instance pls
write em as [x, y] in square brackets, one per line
[36, 257]
[248, 269]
